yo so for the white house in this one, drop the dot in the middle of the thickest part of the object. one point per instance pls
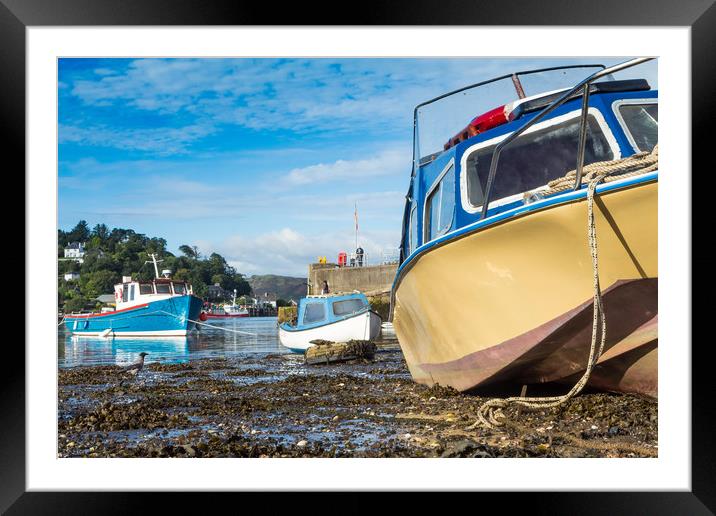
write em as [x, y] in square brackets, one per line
[75, 250]
[72, 276]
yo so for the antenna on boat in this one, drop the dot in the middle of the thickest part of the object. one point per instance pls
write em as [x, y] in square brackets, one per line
[155, 262]
[355, 218]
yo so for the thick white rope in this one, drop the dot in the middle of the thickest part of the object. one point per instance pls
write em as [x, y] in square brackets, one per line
[222, 328]
[490, 414]
[207, 324]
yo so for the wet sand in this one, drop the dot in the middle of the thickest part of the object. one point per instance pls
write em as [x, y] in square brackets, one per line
[263, 405]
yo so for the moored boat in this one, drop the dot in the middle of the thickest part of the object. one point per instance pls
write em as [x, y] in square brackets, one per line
[330, 317]
[227, 311]
[161, 307]
[496, 278]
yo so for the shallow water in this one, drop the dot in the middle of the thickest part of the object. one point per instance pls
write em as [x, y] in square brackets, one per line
[208, 343]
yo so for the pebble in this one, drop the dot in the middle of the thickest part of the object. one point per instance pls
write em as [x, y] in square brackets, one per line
[302, 443]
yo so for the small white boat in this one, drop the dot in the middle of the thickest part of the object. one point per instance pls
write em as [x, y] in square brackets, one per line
[227, 311]
[331, 317]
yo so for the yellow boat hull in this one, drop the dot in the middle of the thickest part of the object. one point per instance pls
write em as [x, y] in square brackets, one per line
[512, 301]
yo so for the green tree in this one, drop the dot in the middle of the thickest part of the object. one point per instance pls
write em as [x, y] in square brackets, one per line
[101, 231]
[119, 252]
[94, 284]
[189, 251]
[80, 233]
[74, 304]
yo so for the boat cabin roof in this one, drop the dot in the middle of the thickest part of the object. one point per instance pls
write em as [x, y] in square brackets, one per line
[318, 310]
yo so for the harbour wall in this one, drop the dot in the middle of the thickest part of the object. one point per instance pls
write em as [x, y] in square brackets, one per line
[372, 280]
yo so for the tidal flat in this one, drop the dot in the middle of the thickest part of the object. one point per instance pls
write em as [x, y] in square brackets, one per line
[273, 405]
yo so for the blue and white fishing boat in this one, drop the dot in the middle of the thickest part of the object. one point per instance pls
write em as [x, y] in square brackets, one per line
[162, 307]
[498, 255]
[331, 317]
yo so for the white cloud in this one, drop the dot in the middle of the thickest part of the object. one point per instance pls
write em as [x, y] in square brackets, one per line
[162, 141]
[288, 251]
[387, 163]
[326, 95]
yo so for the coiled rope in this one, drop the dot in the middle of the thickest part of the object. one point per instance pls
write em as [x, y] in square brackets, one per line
[637, 164]
[490, 414]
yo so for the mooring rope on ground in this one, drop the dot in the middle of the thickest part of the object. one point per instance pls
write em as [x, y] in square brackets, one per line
[490, 413]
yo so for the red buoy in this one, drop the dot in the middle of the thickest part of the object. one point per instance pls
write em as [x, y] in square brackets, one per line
[202, 316]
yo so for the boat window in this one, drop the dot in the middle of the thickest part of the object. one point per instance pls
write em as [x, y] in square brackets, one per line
[179, 288]
[413, 236]
[145, 288]
[642, 124]
[125, 293]
[347, 306]
[440, 206]
[314, 312]
[534, 159]
[163, 288]
[131, 292]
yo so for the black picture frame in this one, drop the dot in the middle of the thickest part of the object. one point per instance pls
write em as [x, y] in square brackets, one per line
[17, 15]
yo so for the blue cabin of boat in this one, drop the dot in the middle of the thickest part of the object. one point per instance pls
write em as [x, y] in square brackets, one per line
[319, 310]
[448, 181]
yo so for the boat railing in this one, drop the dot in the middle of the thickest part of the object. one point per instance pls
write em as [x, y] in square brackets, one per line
[584, 86]
[419, 160]
[357, 259]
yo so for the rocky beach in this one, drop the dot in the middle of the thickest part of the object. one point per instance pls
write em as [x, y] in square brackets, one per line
[274, 405]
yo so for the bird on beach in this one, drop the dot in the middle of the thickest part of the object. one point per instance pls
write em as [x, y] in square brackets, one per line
[131, 370]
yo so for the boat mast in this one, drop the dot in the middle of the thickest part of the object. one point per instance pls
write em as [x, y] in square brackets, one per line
[155, 261]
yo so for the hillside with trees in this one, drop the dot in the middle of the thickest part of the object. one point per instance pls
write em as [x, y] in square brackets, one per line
[284, 287]
[111, 254]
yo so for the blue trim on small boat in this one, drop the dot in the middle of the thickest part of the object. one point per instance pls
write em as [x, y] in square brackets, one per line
[560, 198]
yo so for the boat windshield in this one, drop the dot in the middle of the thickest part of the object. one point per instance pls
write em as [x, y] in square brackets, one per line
[179, 288]
[347, 306]
[163, 288]
[438, 120]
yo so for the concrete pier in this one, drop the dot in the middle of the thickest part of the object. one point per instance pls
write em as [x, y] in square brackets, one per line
[370, 279]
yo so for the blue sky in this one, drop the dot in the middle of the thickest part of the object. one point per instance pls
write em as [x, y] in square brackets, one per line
[260, 160]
